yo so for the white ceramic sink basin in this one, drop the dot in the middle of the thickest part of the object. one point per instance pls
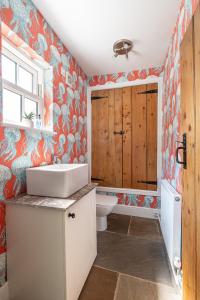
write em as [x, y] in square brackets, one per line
[59, 180]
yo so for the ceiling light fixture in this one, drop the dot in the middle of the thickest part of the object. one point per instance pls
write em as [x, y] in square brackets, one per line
[122, 47]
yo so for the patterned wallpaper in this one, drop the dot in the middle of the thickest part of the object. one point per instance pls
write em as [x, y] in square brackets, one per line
[135, 200]
[20, 149]
[124, 77]
[171, 96]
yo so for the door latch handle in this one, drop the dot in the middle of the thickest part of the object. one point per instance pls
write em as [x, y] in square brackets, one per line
[184, 149]
[121, 132]
[147, 182]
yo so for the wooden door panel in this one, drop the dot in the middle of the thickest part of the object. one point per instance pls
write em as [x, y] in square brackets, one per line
[127, 138]
[99, 137]
[111, 141]
[118, 138]
[106, 146]
[197, 140]
[138, 137]
[94, 139]
[188, 127]
[152, 136]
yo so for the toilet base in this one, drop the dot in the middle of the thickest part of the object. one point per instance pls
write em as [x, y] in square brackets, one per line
[101, 223]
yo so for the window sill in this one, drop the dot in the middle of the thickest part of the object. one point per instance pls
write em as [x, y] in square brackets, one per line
[20, 126]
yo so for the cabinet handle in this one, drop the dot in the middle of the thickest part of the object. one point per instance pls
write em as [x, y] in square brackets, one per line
[71, 215]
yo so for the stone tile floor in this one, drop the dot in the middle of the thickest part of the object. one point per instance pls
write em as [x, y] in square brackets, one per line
[131, 264]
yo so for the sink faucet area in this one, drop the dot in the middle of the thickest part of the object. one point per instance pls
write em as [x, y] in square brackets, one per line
[57, 180]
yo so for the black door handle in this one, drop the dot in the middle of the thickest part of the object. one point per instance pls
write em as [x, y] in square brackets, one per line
[121, 132]
[184, 149]
[147, 182]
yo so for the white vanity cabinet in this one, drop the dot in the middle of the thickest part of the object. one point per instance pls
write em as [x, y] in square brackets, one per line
[50, 250]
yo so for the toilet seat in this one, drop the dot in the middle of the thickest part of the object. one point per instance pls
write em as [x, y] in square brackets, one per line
[106, 200]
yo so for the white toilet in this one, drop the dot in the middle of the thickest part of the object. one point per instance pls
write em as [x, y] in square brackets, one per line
[105, 205]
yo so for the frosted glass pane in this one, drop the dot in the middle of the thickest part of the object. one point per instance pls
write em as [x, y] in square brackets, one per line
[8, 69]
[30, 106]
[11, 106]
[25, 79]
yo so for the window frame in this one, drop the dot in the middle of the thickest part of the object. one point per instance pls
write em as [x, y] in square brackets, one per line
[22, 60]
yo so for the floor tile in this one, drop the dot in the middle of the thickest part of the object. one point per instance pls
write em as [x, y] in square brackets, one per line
[130, 288]
[100, 285]
[118, 223]
[138, 257]
[145, 228]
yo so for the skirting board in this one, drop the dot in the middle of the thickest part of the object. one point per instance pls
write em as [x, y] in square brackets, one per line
[4, 292]
[143, 212]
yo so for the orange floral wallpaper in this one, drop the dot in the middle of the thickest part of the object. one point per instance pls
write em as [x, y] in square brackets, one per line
[20, 149]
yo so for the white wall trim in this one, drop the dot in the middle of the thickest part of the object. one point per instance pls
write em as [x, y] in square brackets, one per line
[152, 79]
[113, 85]
[135, 211]
[127, 191]
[4, 292]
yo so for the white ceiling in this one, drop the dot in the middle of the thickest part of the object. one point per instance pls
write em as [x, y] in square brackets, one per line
[89, 28]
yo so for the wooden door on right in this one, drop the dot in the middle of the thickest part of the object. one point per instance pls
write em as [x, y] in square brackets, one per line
[190, 135]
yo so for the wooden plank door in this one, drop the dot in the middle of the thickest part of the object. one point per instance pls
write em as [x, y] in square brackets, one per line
[151, 142]
[188, 193]
[125, 160]
[144, 136]
[190, 124]
[127, 138]
[139, 137]
[107, 146]
[100, 134]
[197, 141]
[118, 138]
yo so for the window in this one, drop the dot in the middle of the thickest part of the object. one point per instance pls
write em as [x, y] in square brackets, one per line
[12, 108]
[22, 85]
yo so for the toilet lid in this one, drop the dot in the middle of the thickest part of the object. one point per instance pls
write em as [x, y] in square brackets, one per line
[106, 200]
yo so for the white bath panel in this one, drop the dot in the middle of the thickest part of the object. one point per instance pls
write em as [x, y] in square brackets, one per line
[135, 211]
